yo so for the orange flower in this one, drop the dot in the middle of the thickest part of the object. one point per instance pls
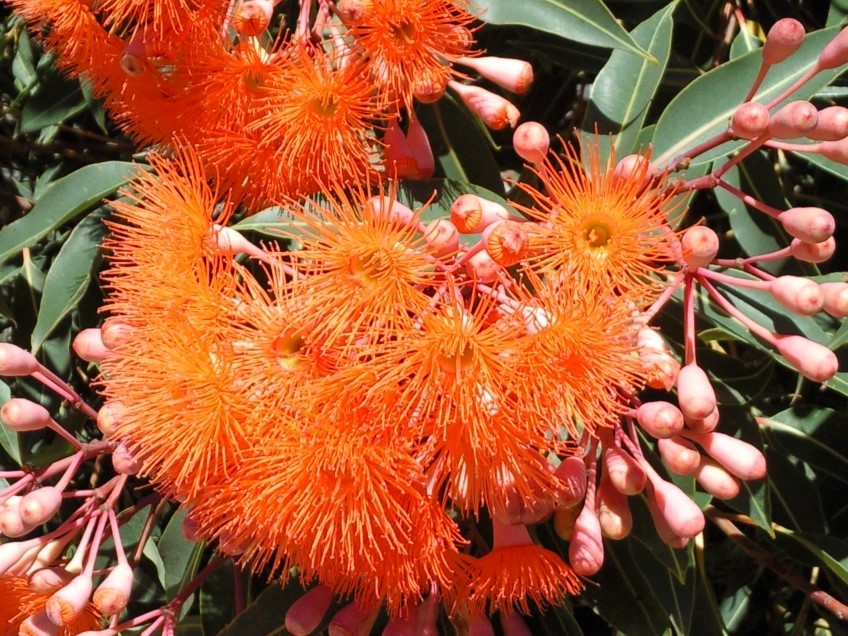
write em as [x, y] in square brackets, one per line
[602, 230]
[17, 602]
[406, 41]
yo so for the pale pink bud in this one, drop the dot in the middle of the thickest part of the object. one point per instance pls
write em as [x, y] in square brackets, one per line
[683, 515]
[67, 603]
[15, 361]
[695, 393]
[442, 237]
[479, 625]
[88, 345]
[564, 520]
[38, 625]
[623, 471]
[704, 424]
[40, 505]
[716, 480]
[793, 120]
[11, 524]
[586, 549]
[660, 419]
[679, 455]
[12, 552]
[797, 294]
[19, 414]
[124, 461]
[399, 160]
[482, 268]
[783, 39]
[814, 361]
[509, 73]
[472, 214]
[629, 166]
[353, 620]
[660, 367]
[386, 208]
[812, 252]
[422, 153]
[46, 580]
[115, 333]
[832, 124]
[668, 536]
[571, 474]
[531, 141]
[353, 10]
[811, 225]
[507, 242]
[835, 52]
[307, 612]
[613, 512]
[736, 455]
[514, 625]
[835, 150]
[835, 298]
[495, 111]
[110, 416]
[227, 241]
[113, 594]
[252, 17]
[700, 246]
[750, 120]
[404, 624]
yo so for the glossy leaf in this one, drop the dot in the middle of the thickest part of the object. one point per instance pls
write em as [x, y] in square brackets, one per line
[9, 438]
[177, 553]
[266, 615]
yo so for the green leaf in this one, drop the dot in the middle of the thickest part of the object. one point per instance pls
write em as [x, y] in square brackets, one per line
[217, 600]
[823, 547]
[176, 552]
[9, 438]
[625, 87]
[704, 108]
[266, 615]
[63, 201]
[56, 101]
[70, 275]
[586, 21]
[795, 497]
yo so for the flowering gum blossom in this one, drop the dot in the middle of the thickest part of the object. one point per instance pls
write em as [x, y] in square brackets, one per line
[623, 471]
[531, 141]
[738, 456]
[750, 120]
[814, 361]
[700, 246]
[15, 361]
[695, 393]
[811, 225]
[783, 39]
[797, 294]
[586, 549]
[19, 414]
[660, 419]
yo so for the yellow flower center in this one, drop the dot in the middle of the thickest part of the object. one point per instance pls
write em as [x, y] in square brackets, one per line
[597, 234]
[325, 106]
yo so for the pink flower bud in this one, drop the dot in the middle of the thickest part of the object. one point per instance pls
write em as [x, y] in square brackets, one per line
[482, 268]
[38, 506]
[750, 120]
[352, 11]
[835, 52]
[531, 141]
[716, 480]
[422, 152]
[668, 536]
[429, 88]
[399, 159]
[307, 612]
[832, 124]
[797, 294]
[564, 520]
[571, 473]
[514, 625]
[38, 625]
[495, 111]
[385, 208]
[736, 455]
[507, 242]
[613, 512]
[15, 361]
[124, 461]
[835, 150]
[811, 225]
[793, 120]
[88, 345]
[67, 603]
[783, 39]
[835, 298]
[508, 73]
[812, 252]
[19, 414]
[227, 241]
[695, 393]
[682, 515]
[700, 246]
[629, 167]
[623, 471]
[110, 416]
[442, 237]
[11, 524]
[479, 625]
[47, 580]
[814, 361]
[113, 594]
[12, 552]
[586, 548]
[115, 333]
[679, 455]
[472, 214]
[660, 419]
[704, 424]
[353, 620]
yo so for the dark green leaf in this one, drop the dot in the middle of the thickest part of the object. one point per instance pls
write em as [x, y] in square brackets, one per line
[177, 553]
[266, 615]
[56, 101]
[795, 496]
[217, 600]
[9, 438]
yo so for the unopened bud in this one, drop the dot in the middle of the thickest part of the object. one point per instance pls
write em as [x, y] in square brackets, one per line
[623, 471]
[835, 150]
[509, 73]
[507, 242]
[716, 480]
[40, 505]
[478, 625]
[12, 552]
[835, 52]
[404, 624]
[700, 246]
[666, 533]
[660, 419]
[783, 39]
[695, 393]
[531, 141]
[814, 361]
[47, 580]
[115, 334]
[20, 414]
[385, 208]
[793, 120]
[113, 594]
[495, 111]
[703, 424]
[422, 152]
[67, 603]
[797, 294]
[482, 268]
[586, 548]
[812, 252]
[736, 455]
[683, 515]
[15, 361]
[811, 225]
[571, 474]
[38, 624]
[514, 625]
[442, 237]
[227, 241]
[679, 455]
[832, 124]
[110, 416]
[750, 120]
[398, 153]
[352, 619]
[124, 461]
[564, 520]
[88, 345]
[627, 169]
[835, 299]
[472, 214]
[613, 512]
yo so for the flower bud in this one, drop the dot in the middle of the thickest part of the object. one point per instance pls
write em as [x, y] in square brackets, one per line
[797, 294]
[814, 361]
[716, 480]
[613, 512]
[38, 625]
[115, 333]
[783, 39]
[113, 594]
[700, 246]
[227, 241]
[668, 536]
[629, 167]
[835, 150]
[404, 624]
[252, 17]
[385, 208]
[679, 455]
[793, 120]
[398, 153]
[571, 474]
[832, 124]
[422, 152]
[695, 393]
[442, 237]
[623, 471]
[835, 52]
[88, 345]
[479, 625]
[307, 612]
[428, 87]
[682, 515]
[586, 548]
[736, 455]
[47, 580]
[495, 111]
[835, 298]
[564, 520]
[110, 416]
[352, 619]
[12, 552]
[508, 73]
[124, 461]
[811, 225]
[19, 414]
[812, 252]
[660, 419]
[15, 361]
[482, 268]
[67, 603]
[507, 242]
[472, 214]
[514, 625]
[704, 424]
[38, 506]
[750, 120]
[531, 141]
